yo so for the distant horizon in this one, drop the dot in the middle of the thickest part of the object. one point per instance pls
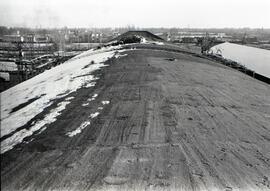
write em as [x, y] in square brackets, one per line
[139, 28]
[140, 13]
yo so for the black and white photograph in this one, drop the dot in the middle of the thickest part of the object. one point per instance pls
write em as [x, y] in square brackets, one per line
[135, 95]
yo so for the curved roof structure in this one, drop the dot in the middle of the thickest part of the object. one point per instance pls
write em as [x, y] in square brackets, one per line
[136, 117]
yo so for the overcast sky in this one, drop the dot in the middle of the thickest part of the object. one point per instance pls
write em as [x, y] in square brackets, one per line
[141, 13]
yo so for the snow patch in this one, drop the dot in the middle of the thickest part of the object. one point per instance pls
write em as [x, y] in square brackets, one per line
[18, 137]
[159, 43]
[82, 126]
[120, 55]
[69, 98]
[88, 85]
[144, 41]
[79, 129]
[85, 104]
[41, 130]
[93, 115]
[55, 83]
[91, 99]
[105, 102]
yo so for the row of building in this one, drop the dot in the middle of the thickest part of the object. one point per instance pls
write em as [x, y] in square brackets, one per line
[26, 38]
[70, 37]
[88, 36]
[194, 37]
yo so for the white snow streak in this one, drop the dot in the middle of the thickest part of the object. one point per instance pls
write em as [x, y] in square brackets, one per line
[93, 115]
[79, 129]
[88, 85]
[18, 137]
[120, 55]
[144, 41]
[105, 102]
[85, 104]
[52, 84]
[82, 126]
[92, 98]
[69, 98]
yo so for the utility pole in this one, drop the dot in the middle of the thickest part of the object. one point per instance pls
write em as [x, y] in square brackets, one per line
[18, 45]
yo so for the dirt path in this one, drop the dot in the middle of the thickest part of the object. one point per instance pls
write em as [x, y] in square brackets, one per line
[187, 124]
